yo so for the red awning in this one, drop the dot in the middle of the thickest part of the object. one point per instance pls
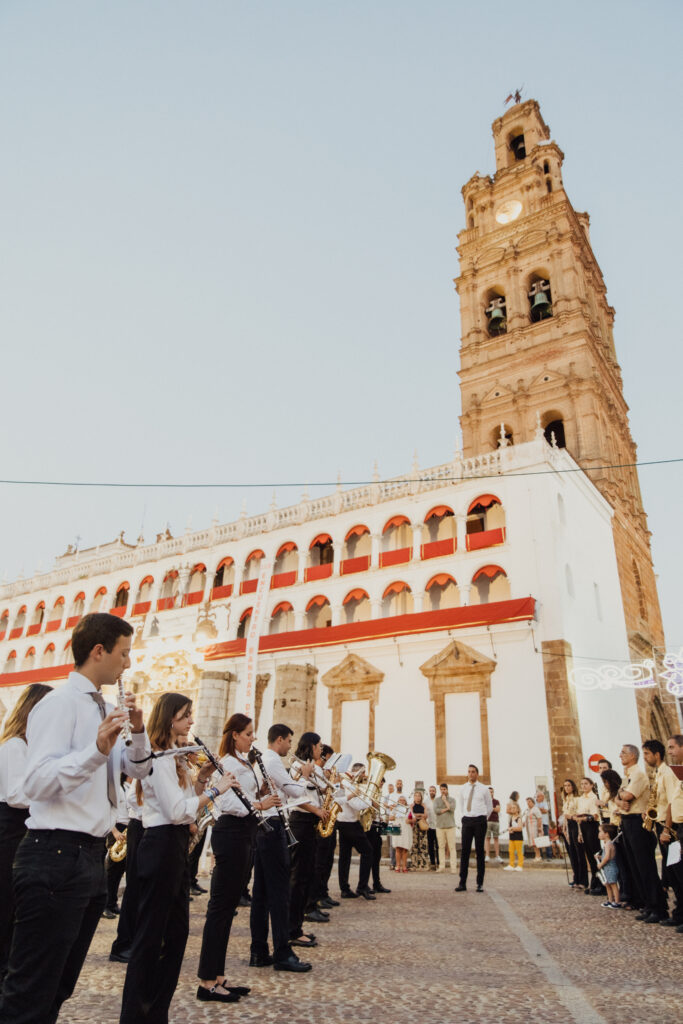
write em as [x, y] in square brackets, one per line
[245, 613]
[81, 595]
[50, 647]
[322, 538]
[490, 571]
[22, 610]
[199, 567]
[356, 531]
[289, 546]
[283, 606]
[172, 574]
[11, 656]
[355, 595]
[102, 590]
[317, 602]
[41, 604]
[254, 554]
[396, 588]
[485, 500]
[395, 521]
[439, 511]
[122, 586]
[440, 580]
[225, 563]
[60, 600]
[31, 653]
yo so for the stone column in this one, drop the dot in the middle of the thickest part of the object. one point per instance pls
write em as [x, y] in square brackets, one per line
[295, 696]
[214, 706]
[303, 563]
[563, 717]
[464, 591]
[337, 548]
[418, 599]
[376, 541]
[376, 609]
[461, 533]
[337, 613]
[417, 541]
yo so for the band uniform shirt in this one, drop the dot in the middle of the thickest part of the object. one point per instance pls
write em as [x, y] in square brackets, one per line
[13, 755]
[587, 805]
[284, 784]
[310, 791]
[666, 790]
[569, 806]
[444, 817]
[351, 808]
[228, 803]
[122, 815]
[480, 804]
[132, 806]
[165, 801]
[638, 785]
[677, 804]
[66, 775]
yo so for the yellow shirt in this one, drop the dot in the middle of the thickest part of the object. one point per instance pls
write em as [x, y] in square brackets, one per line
[666, 790]
[677, 804]
[587, 803]
[569, 805]
[638, 784]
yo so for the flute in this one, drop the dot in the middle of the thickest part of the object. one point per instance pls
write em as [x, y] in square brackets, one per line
[263, 822]
[121, 705]
[291, 838]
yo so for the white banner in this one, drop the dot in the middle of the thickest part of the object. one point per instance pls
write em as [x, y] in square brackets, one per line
[254, 634]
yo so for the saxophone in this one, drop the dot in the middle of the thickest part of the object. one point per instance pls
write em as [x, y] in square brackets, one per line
[118, 849]
[325, 827]
[650, 816]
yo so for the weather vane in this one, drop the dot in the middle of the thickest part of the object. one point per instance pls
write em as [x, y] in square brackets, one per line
[516, 96]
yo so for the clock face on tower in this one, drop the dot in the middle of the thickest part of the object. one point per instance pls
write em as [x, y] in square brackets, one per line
[508, 211]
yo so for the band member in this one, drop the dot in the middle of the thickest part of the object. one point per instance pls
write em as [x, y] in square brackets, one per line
[232, 839]
[171, 804]
[13, 805]
[475, 806]
[325, 847]
[588, 817]
[74, 758]
[115, 868]
[270, 893]
[674, 815]
[633, 801]
[665, 786]
[303, 821]
[122, 944]
[376, 837]
[571, 835]
[352, 837]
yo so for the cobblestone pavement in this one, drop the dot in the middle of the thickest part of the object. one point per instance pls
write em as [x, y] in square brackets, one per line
[527, 949]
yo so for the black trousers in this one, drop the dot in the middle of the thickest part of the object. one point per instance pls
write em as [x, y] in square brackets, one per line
[194, 859]
[324, 862]
[12, 831]
[640, 850]
[669, 876]
[59, 893]
[131, 894]
[591, 848]
[302, 859]
[352, 837]
[576, 854]
[114, 870]
[376, 839]
[270, 892]
[162, 926]
[626, 890]
[473, 828]
[433, 847]
[232, 839]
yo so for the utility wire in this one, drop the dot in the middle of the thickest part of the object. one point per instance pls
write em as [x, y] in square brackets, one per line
[336, 483]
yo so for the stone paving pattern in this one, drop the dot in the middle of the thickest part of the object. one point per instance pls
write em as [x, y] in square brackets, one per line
[425, 953]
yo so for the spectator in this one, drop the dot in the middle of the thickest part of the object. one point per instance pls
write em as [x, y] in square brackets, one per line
[571, 835]
[588, 815]
[419, 858]
[533, 821]
[542, 805]
[432, 845]
[516, 843]
[475, 807]
[404, 841]
[444, 806]
[608, 865]
[493, 831]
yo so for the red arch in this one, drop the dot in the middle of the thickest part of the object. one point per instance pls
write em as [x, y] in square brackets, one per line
[142, 583]
[395, 521]
[60, 600]
[122, 586]
[23, 609]
[50, 647]
[41, 604]
[287, 546]
[199, 567]
[283, 606]
[246, 613]
[79, 597]
[485, 500]
[322, 538]
[67, 645]
[11, 656]
[257, 553]
[102, 590]
[489, 570]
[396, 588]
[172, 574]
[357, 531]
[227, 561]
[440, 580]
[31, 653]
[356, 595]
[319, 601]
[439, 511]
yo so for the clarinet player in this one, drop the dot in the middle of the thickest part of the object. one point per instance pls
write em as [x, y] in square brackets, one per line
[74, 759]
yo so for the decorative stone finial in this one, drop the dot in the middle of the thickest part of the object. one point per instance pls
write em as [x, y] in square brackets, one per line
[503, 441]
[538, 433]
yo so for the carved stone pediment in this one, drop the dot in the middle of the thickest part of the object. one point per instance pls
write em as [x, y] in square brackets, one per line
[353, 673]
[457, 659]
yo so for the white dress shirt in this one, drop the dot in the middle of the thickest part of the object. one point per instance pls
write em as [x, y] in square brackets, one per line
[66, 775]
[133, 807]
[312, 794]
[166, 802]
[351, 807]
[13, 755]
[481, 800]
[228, 803]
[122, 816]
[284, 784]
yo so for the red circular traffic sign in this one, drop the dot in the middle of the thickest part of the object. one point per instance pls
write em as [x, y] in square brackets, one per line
[594, 760]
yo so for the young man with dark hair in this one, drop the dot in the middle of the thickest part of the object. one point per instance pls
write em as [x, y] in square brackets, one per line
[639, 845]
[75, 756]
[665, 786]
[475, 806]
[325, 847]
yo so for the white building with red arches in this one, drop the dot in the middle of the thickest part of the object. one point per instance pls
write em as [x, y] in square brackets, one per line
[435, 616]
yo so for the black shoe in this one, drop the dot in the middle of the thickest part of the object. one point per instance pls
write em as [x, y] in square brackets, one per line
[461, 888]
[245, 901]
[318, 916]
[197, 890]
[307, 941]
[641, 916]
[109, 914]
[120, 958]
[237, 990]
[367, 894]
[292, 963]
[328, 902]
[480, 888]
[212, 995]
[349, 894]
[260, 961]
[380, 888]
[680, 929]
[668, 922]
[652, 919]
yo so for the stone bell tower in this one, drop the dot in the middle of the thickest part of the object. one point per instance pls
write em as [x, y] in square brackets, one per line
[537, 337]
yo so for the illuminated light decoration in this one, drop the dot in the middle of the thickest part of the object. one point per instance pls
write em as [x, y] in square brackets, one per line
[673, 673]
[610, 677]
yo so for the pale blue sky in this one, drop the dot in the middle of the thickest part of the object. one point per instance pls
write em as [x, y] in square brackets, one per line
[228, 241]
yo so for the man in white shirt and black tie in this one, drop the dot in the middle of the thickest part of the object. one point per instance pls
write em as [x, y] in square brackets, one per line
[475, 806]
[75, 756]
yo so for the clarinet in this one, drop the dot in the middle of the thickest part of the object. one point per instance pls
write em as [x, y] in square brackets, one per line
[291, 838]
[120, 703]
[263, 822]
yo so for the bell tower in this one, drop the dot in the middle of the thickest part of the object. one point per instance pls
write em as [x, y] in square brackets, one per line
[537, 337]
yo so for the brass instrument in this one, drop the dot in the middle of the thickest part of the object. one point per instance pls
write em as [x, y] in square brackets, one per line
[251, 810]
[650, 815]
[118, 849]
[325, 827]
[371, 789]
[205, 818]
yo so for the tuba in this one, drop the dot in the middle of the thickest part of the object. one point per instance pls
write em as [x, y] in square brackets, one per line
[371, 789]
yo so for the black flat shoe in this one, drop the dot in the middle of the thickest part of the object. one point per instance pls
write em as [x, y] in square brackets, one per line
[318, 917]
[480, 888]
[260, 961]
[237, 990]
[327, 901]
[461, 888]
[367, 894]
[348, 894]
[109, 914]
[307, 941]
[380, 888]
[292, 963]
[197, 890]
[212, 995]
[120, 958]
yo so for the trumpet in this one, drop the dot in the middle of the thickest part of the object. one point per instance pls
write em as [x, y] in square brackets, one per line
[121, 705]
[262, 821]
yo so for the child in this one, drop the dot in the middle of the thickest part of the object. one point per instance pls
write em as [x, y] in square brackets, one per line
[516, 835]
[608, 865]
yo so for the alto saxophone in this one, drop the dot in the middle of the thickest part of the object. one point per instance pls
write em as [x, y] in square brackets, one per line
[119, 848]
[651, 813]
[325, 826]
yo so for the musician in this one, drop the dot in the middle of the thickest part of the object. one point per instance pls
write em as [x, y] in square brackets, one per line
[639, 844]
[122, 944]
[376, 837]
[674, 814]
[665, 785]
[570, 832]
[13, 805]
[115, 868]
[232, 839]
[587, 815]
[270, 892]
[352, 837]
[74, 758]
[303, 821]
[325, 847]
[171, 804]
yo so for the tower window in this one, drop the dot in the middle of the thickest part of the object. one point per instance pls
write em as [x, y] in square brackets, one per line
[556, 430]
[496, 313]
[540, 301]
[548, 185]
[546, 167]
[518, 147]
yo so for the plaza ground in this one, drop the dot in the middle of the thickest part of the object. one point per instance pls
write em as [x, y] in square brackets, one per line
[527, 949]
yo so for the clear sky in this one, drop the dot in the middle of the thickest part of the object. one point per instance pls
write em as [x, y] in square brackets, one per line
[228, 242]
